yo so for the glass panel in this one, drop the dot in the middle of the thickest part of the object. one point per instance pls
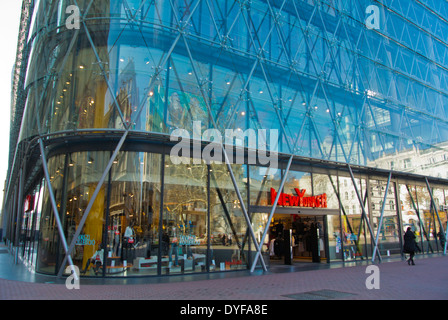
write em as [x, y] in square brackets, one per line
[229, 238]
[37, 213]
[84, 172]
[185, 102]
[389, 238]
[410, 212]
[48, 236]
[300, 181]
[134, 214]
[428, 219]
[185, 225]
[229, 109]
[441, 220]
[343, 117]
[262, 180]
[323, 183]
[354, 232]
[30, 223]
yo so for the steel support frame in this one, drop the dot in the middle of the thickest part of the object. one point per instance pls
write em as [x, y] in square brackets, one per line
[47, 175]
[224, 153]
[56, 211]
[118, 147]
[380, 224]
[100, 183]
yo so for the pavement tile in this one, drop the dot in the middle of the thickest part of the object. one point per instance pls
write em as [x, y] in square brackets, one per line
[427, 280]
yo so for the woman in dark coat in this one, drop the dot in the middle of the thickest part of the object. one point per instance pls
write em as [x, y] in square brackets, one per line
[409, 245]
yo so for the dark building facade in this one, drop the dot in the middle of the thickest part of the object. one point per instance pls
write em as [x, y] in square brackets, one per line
[160, 137]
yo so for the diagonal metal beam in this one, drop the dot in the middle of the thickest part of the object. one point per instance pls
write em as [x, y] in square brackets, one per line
[422, 225]
[100, 65]
[91, 202]
[45, 166]
[114, 155]
[224, 152]
[274, 206]
[380, 224]
[364, 214]
[55, 210]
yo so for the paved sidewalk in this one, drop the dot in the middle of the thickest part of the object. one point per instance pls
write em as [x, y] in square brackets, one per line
[427, 280]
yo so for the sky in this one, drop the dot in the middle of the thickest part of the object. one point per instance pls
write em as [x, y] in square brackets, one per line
[9, 24]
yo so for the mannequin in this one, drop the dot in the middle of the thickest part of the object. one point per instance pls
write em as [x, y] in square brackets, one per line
[174, 249]
[128, 242]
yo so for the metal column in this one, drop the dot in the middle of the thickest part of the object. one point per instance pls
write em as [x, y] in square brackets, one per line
[380, 224]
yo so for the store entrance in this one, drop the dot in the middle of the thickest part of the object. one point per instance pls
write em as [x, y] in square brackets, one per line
[297, 238]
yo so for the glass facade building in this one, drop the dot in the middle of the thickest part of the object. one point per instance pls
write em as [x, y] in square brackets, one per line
[323, 123]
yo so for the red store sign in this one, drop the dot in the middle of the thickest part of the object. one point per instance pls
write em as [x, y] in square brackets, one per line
[29, 203]
[289, 200]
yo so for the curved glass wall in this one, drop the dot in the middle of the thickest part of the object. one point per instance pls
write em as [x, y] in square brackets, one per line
[331, 86]
[127, 232]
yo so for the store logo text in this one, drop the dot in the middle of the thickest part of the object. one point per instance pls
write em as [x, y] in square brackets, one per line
[84, 240]
[288, 200]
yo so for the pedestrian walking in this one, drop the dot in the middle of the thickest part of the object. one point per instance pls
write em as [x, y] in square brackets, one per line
[409, 245]
[441, 237]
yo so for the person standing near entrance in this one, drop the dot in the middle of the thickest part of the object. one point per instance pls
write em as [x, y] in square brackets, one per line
[409, 245]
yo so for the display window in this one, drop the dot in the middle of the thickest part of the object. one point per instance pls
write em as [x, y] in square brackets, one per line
[83, 171]
[48, 249]
[153, 216]
[133, 217]
[184, 220]
[230, 244]
[419, 214]
[355, 233]
[327, 184]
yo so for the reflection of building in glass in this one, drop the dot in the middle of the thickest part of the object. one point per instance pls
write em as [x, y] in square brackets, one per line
[429, 161]
[360, 115]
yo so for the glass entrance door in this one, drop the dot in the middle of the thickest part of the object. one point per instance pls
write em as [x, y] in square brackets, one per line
[308, 240]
